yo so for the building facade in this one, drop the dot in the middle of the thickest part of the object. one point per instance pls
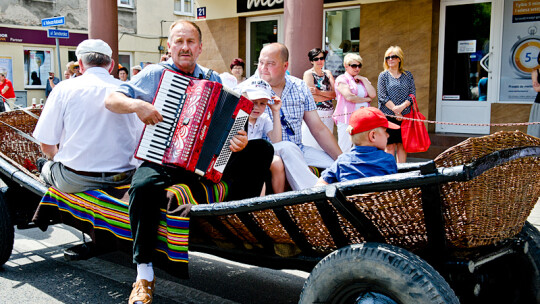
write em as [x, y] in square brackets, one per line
[450, 46]
[25, 49]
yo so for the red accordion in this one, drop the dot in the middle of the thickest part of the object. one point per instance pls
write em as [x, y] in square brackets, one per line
[200, 117]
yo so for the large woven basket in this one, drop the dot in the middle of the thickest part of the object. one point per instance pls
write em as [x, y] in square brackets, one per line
[496, 204]
[480, 212]
[16, 149]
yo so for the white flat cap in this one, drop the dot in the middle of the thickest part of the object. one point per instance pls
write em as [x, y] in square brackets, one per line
[93, 46]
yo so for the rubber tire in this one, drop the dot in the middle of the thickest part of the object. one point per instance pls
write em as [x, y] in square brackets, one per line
[385, 269]
[7, 232]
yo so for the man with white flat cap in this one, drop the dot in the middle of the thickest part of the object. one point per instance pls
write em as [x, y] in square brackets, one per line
[88, 146]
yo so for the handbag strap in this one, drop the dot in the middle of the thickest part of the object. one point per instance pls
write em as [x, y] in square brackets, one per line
[414, 107]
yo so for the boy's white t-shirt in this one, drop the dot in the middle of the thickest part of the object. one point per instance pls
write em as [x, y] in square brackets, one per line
[261, 127]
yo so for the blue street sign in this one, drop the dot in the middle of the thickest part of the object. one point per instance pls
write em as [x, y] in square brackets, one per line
[54, 21]
[52, 33]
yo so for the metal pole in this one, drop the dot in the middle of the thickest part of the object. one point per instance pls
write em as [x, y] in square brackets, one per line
[58, 55]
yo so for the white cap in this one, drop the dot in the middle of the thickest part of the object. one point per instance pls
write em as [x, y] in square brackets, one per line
[137, 67]
[256, 88]
[93, 46]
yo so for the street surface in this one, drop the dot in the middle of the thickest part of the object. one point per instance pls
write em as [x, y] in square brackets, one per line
[37, 273]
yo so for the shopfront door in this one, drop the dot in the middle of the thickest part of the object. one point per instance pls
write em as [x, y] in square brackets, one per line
[466, 84]
[260, 31]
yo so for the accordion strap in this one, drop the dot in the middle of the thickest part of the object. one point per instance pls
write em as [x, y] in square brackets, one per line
[206, 77]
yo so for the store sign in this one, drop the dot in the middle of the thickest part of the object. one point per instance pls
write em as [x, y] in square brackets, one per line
[244, 6]
[27, 36]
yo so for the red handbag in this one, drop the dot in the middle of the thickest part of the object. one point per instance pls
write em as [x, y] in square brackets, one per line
[414, 133]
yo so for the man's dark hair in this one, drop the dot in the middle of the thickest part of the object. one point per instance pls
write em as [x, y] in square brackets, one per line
[123, 69]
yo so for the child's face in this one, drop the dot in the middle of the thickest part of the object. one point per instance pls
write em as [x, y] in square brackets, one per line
[381, 138]
[259, 105]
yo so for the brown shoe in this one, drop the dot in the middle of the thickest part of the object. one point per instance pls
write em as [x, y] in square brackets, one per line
[143, 291]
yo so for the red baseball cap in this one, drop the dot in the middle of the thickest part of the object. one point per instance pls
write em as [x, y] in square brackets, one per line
[369, 118]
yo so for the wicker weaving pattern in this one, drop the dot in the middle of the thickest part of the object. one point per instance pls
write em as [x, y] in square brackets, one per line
[489, 208]
[269, 222]
[397, 214]
[311, 225]
[233, 223]
[14, 147]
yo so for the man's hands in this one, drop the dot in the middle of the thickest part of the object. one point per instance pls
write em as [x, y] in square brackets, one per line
[239, 141]
[147, 113]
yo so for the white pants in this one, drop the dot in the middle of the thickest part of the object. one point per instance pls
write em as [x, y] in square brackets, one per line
[296, 163]
[344, 138]
[326, 118]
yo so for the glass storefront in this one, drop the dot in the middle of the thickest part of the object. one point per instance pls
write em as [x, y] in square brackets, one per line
[341, 36]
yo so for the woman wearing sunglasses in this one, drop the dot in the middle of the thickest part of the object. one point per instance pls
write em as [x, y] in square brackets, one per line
[393, 88]
[353, 92]
[321, 85]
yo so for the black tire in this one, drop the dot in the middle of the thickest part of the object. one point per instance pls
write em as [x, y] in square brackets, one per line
[386, 273]
[512, 279]
[7, 232]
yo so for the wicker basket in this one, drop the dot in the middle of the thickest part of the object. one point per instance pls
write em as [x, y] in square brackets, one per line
[16, 149]
[479, 212]
[496, 204]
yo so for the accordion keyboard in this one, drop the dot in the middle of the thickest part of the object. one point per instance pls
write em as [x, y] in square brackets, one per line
[168, 102]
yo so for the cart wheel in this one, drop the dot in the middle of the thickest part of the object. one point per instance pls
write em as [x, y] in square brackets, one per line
[7, 233]
[532, 236]
[375, 273]
[513, 278]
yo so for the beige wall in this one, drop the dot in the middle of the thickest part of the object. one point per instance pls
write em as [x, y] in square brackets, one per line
[407, 24]
[509, 113]
[220, 43]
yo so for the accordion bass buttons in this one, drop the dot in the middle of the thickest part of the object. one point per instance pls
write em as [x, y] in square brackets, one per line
[186, 121]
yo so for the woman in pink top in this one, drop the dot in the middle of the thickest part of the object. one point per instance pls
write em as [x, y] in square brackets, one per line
[353, 92]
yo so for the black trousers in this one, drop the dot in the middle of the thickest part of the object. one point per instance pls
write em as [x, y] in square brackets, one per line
[245, 174]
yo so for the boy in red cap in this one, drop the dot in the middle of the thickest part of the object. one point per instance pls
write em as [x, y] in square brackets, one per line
[367, 127]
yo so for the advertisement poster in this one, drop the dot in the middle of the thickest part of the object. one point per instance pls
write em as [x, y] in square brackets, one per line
[6, 65]
[37, 64]
[520, 48]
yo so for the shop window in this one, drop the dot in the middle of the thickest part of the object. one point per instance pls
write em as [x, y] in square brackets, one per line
[183, 7]
[37, 64]
[341, 36]
[125, 61]
[125, 3]
[72, 56]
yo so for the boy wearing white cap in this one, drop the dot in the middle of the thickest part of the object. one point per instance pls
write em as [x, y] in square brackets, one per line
[260, 124]
[88, 146]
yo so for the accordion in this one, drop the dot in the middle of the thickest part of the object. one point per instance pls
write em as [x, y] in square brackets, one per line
[200, 117]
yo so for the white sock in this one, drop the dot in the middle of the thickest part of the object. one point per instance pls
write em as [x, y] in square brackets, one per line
[145, 272]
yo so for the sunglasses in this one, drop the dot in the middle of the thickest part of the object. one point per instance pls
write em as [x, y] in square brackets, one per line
[354, 66]
[287, 125]
[318, 58]
[391, 57]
